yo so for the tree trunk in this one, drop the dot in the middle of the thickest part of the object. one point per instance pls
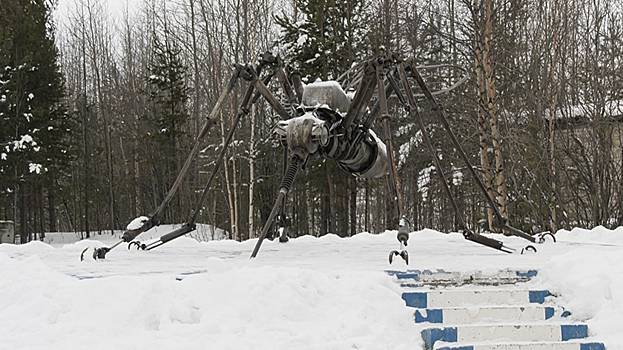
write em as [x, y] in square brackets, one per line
[235, 184]
[500, 181]
[252, 172]
[366, 213]
[353, 206]
[85, 122]
[52, 208]
[23, 217]
[552, 114]
[136, 195]
[331, 201]
[103, 108]
[482, 112]
[342, 209]
[310, 210]
[40, 208]
[230, 201]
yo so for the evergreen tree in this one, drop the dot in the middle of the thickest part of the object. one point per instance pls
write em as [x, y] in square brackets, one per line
[167, 123]
[35, 126]
[169, 92]
[331, 36]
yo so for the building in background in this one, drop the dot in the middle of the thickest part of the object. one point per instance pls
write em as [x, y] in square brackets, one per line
[7, 232]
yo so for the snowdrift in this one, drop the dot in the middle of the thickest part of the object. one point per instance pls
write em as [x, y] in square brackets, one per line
[310, 293]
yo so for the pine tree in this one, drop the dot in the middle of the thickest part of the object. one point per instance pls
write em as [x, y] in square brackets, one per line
[35, 125]
[169, 94]
[332, 35]
[324, 43]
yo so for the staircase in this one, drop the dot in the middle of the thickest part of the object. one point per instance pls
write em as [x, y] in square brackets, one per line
[489, 312]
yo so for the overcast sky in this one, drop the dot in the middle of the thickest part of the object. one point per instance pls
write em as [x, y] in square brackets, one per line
[115, 7]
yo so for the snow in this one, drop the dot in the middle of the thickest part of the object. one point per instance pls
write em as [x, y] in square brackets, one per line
[137, 223]
[34, 168]
[301, 40]
[607, 109]
[423, 181]
[23, 141]
[457, 176]
[309, 293]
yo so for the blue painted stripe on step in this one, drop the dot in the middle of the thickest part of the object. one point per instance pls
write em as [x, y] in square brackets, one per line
[415, 299]
[409, 285]
[398, 272]
[527, 274]
[406, 276]
[432, 335]
[432, 316]
[575, 331]
[549, 312]
[538, 296]
[587, 346]
[415, 274]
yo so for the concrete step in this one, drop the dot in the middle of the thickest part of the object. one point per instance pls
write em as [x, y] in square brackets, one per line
[469, 315]
[436, 299]
[514, 333]
[569, 345]
[418, 278]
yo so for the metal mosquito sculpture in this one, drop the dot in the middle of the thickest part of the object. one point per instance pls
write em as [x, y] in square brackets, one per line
[320, 121]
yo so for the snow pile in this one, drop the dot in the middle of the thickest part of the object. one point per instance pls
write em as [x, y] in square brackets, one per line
[137, 223]
[310, 293]
[588, 278]
[245, 306]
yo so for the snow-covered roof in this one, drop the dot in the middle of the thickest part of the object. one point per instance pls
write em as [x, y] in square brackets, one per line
[589, 110]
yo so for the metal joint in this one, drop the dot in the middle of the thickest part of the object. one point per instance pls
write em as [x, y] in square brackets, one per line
[269, 59]
[248, 73]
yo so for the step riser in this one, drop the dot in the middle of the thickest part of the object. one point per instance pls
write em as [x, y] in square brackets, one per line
[445, 299]
[524, 333]
[474, 315]
[415, 278]
[543, 346]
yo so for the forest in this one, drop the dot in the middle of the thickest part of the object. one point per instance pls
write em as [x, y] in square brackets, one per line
[100, 108]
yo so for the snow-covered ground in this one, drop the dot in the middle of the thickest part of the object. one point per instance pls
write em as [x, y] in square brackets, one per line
[310, 293]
